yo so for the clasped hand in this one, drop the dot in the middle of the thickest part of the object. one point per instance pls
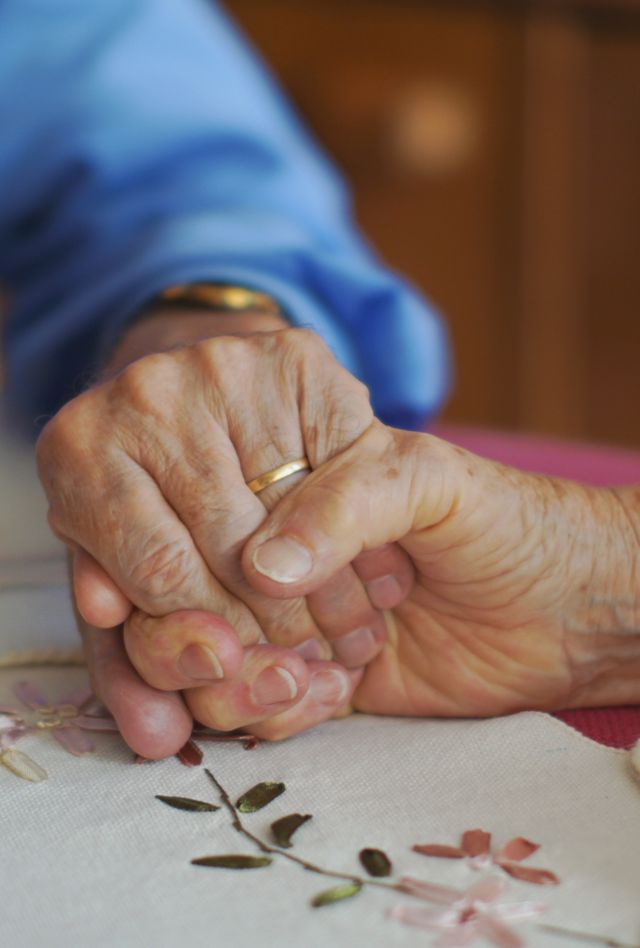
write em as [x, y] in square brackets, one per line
[501, 590]
[146, 478]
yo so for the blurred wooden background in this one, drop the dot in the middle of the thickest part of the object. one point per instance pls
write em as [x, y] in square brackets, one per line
[494, 153]
[493, 148]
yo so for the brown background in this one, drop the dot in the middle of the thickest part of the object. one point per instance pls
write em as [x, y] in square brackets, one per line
[494, 154]
[493, 149]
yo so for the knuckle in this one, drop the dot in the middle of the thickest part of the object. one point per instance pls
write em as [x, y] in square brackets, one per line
[66, 454]
[302, 348]
[61, 522]
[306, 340]
[346, 415]
[165, 571]
[224, 355]
[226, 366]
[285, 622]
[207, 353]
[141, 628]
[349, 417]
[144, 383]
[58, 523]
[62, 433]
[335, 407]
[204, 515]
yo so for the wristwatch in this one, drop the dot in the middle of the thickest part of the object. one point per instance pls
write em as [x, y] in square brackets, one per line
[221, 296]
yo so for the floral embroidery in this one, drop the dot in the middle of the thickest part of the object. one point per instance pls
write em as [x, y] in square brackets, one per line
[68, 721]
[466, 916]
[475, 846]
[12, 728]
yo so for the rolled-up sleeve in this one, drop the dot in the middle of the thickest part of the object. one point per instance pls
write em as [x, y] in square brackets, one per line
[143, 145]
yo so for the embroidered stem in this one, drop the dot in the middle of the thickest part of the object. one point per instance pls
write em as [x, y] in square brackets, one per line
[239, 826]
[273, 850]
[585, 936]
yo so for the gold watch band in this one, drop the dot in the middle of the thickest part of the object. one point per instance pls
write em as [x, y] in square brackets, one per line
[220, 296]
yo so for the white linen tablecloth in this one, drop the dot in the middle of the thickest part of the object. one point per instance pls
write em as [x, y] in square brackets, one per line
[90, 857]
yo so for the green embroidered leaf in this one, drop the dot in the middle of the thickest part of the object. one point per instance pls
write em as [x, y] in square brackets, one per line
[284, 828]
[375, 862]
[232, 862]
[259, 796]
[186, 803]
[337, 894]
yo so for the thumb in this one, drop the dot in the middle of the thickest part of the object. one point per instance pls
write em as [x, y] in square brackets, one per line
[373, 493]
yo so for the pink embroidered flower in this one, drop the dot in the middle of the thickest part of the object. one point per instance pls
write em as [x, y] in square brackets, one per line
[466, 916]
[67, 720]
[12, 728]
[475, 846]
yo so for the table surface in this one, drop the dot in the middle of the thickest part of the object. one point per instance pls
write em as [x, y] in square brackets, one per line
[90, 856]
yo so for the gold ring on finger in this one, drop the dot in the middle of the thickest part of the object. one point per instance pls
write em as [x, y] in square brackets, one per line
[278, 474]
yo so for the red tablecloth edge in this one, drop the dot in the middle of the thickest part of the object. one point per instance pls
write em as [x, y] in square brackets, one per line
[614, 727]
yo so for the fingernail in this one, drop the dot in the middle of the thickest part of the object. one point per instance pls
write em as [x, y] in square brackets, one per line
[311, 650]
[356, 648]
[384, 592]
[198, 661]
[329, 687]
[274, 685]
[283, 559]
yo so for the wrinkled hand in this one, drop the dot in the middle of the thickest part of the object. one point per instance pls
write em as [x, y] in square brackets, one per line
[146, 479]
[526, 591]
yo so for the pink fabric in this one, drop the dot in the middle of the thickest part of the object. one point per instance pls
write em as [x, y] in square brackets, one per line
[615, 727]
[590, 464]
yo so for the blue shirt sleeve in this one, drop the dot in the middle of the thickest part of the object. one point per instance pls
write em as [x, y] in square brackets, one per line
[143, 145]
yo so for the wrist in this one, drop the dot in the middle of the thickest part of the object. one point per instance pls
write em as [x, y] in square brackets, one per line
[163, 327]
[602, 621]
[606, 561]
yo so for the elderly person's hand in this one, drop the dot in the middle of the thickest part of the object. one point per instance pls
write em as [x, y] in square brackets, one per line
[527, 591]
[146, 476]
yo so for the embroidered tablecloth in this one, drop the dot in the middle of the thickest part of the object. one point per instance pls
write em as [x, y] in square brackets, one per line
[90, 856]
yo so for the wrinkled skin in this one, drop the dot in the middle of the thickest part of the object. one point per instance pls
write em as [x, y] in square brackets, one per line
[527, 591]
[146, 479]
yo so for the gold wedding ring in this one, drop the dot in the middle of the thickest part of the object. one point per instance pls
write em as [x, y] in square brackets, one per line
[278, 474]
